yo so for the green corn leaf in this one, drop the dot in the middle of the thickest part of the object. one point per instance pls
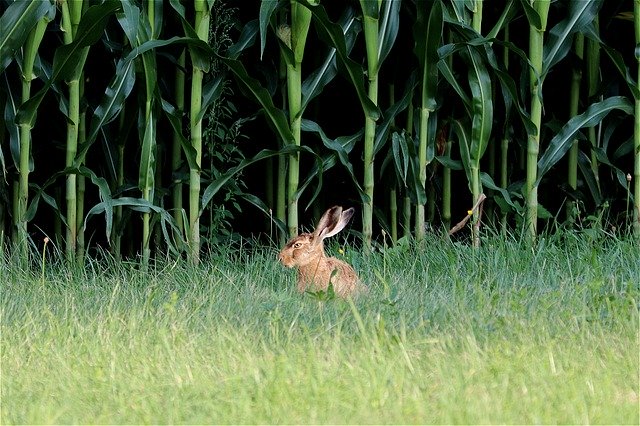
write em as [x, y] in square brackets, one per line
[252, 88]
[342, 146]
[313, 85]
[212, 189]
[199, 51]
[67, 58]
[460, 10]
[137, 204]
[584, 163]
[211, 92]
[146, 173]
[389, 24]
[10, 111]
[508, 14]
[333, 35]
[16, 23]
[370, 8]
[562, 141]
[111, 104]
[581, 14]
[400, 155]
[175, 120]
[449, 162]
[615, 56]
[130, 20]
[260, 205]
[488, 182]
[267, 7]
[482, 105]
[447, 73]
[464, 143]
[246, 39]
[39, 193]
[427, 31]
[384, 128]
[532, 15]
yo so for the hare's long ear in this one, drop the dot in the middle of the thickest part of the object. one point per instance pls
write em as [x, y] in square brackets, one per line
[332, 221]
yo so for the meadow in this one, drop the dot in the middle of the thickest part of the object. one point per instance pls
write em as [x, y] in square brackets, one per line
[447, 334]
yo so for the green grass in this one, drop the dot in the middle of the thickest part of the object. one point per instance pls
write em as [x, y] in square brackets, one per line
[505, 334]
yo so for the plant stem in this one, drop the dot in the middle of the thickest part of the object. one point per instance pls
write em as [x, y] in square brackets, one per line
[636, 133]
[574, 98]
[176, 148]
[536, 42]
[300, 22]
[371, 41]
[422, 167]
[446, 189]
[31, 48]
[202, 19]
[593, 83]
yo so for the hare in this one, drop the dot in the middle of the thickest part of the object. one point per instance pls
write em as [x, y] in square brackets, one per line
[315, 269]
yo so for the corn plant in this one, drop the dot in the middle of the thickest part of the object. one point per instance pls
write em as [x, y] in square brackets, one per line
[636, 143]
[23, 27]
[428, 34]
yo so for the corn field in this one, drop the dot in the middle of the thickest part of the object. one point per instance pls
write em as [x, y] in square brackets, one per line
[148, 128]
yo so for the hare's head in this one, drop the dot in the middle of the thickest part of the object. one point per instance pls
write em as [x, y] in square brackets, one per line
[306, 248]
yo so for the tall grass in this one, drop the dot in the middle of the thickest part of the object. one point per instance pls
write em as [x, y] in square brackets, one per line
[501, 334]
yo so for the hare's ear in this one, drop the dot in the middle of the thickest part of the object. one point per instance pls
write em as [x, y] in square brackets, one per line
[332, 221]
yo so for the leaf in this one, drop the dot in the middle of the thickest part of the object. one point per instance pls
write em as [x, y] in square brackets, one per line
[488, 182]
[267, 7]
[16, 23]
[341, 146]
[10, 110]
[383, 129]
[67, 57]
[175, 120]
[508, 14]
[616, 57]
[246, 39]
[465, 144]
[532, 15]
[388, 28]
[581, 13]
[111, 104]
[257, 202]
[332, 34]
[562, 141]
[482, 106]
[212, 189]
[147, 170]
[427, 31]
[370, 8]
[325, 73]
[252, 88]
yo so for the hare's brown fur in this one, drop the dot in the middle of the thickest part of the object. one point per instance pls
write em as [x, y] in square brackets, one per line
[315, 269]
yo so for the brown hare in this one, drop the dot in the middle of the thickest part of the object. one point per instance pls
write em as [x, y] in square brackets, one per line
[315, 269]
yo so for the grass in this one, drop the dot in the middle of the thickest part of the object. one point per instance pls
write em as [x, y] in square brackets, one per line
[504, 334]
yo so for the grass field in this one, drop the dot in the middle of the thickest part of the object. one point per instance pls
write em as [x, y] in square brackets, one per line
[447, 334]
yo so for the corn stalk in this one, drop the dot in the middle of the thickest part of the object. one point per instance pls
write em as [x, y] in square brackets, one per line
[71, 15]
[536, 44]
[636, 133]
[300, 22]
[30, 51]
[574, 98]
[202, 18]
[428, 34]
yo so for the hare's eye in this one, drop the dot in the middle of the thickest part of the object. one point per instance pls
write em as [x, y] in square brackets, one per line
[297, 245]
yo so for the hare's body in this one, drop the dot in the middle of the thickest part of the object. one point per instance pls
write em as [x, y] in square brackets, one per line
[315, 269]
